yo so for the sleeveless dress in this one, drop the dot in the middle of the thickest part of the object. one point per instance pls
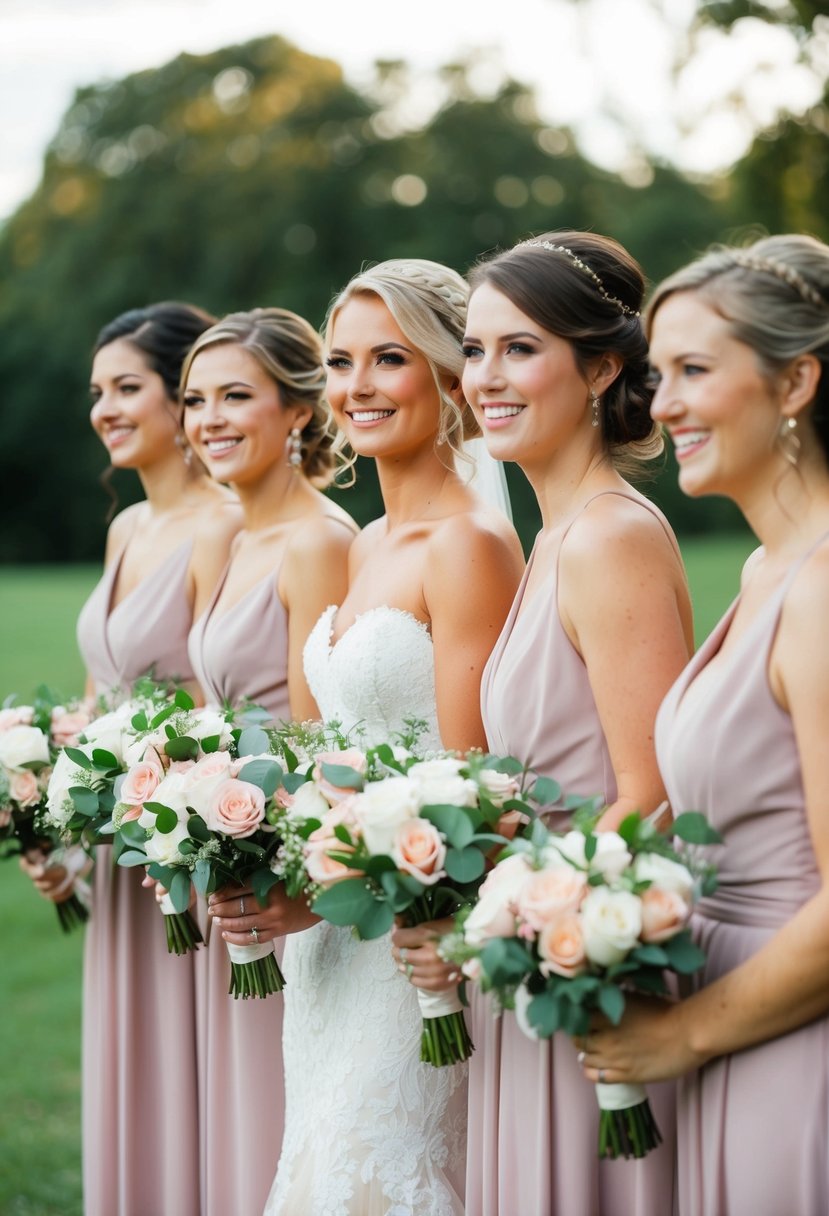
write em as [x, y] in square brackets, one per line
[533, 1119]
[239, 655]
[753, 1127]
[140, 1116]
[370, 1131]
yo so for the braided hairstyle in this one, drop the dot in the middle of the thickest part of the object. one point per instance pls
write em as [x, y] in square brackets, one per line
[588, 289]
[290, 351]
[428, 301]
[774, 295]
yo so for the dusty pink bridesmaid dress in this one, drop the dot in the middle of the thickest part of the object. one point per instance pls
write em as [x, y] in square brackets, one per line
[533, 1119]
[239, 655]
[753, 1127]
[140, 1125]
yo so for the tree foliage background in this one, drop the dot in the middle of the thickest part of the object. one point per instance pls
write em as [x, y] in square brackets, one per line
[256, 175]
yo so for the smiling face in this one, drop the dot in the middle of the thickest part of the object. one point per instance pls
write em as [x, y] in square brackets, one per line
[233, 414]
[523, 383]
[380, 387]
[131, 413]
[718, 407]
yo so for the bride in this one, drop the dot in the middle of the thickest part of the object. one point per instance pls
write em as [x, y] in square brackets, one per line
[369, 1129]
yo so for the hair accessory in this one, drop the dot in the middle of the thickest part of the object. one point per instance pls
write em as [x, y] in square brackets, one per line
[595, 403]
[795, 280]
[582, 266]
[295, 449]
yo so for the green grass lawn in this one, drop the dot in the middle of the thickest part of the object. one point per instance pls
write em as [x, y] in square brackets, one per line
[40, 968]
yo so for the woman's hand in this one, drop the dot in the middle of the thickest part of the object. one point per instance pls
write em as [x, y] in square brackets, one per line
[415, 952]
[54, 882]
[649, 1044]
[237, 913]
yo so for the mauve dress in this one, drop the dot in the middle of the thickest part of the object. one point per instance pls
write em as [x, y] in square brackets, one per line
[239, 655]
[140, 1088]
[533, 1119]
[753, 1127]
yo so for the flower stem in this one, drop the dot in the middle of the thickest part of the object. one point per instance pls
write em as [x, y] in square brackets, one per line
[257, 979]
[445, 1040]
[183, 933]
[72, 913]
[628, 1133]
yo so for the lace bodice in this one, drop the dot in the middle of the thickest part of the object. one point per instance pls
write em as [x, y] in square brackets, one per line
[369, 1129]
[378, 674]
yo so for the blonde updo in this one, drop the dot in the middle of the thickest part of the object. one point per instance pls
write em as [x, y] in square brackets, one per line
[428, 301]
[290, 351]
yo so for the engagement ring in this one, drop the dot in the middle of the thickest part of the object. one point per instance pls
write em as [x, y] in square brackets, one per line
[255, 933]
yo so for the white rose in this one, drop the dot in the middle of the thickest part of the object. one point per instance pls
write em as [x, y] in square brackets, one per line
[381, 809]
[433, 770]
[111, 732]
[612, 856]
[23, 745]
[492, 916]
[439, 781]
[666, 874]
[498, 786]
[207, 722]
[171, 792]
[612, 923]
[508, 878]
[163, 846]
[65, 775]
[308, 803]
[565, 850]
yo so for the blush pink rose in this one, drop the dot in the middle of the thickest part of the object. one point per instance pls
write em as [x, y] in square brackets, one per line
[350, 758]
[141, 782]
[546, 894]
[236, 808]
[322, 868]
[561, 946]
[419, 850]
[24, 788]
[664, 913]
[66, 727]
[20, 715]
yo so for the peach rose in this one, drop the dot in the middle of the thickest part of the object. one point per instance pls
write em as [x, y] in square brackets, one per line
[67, 725]
[491, 917]
[140, 783]
[664, 913]
[350, 758]
[561, 946]
[24, 788]
[322, 868]
[546, 894]
[420, 851]
[236, 808]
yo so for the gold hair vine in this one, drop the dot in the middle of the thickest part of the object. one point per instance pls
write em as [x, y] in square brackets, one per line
[576, 260]
[795, 280]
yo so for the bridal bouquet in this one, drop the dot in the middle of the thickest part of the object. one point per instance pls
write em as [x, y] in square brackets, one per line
[191, 807]
[30, 738]
[378, 835]
[567, 922]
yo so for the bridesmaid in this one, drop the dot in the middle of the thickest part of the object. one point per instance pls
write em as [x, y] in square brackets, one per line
[253, 396]
[601, 625]
[140, 1130]
[740, 339]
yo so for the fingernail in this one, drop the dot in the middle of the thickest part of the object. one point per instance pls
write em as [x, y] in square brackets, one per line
[224, 935]
[218, 921]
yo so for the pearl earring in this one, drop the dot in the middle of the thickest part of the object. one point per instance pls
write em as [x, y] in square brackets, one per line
[595, 403]
[295, 449]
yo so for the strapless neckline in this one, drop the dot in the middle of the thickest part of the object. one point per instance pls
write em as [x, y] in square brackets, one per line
[330, 615]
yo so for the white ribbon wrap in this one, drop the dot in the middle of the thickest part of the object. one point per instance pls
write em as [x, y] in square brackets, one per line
[620, 1096]
[249, 954]
[438, 1004]
[522, 1000]
[166, 905]
[77, 864]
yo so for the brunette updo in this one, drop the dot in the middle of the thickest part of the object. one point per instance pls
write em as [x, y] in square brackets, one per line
[163, 333]
[588, 289]
[290, 351]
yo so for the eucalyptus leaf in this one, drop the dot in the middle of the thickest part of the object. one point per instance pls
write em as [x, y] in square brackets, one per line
[683, 953]
[79, 758]
[545, 791]
[465, 865]
[253, 742]
[611, 1001]
[183, 700]
[343, 777]
[376, 921]
[694, 828]
[132, 857]
[345, 902]
[201, 875]
[85, 801]
[266, 774]
[166, 821]
[544, 1013]
[182, 747]
[180, 890]
[455, 824]
[101, 758]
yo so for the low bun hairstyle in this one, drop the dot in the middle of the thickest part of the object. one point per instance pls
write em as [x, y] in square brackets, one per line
[588, 290]
[290, 351]
[774, 295]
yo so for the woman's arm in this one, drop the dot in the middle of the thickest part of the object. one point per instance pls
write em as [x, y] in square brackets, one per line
[783, 986]
[625, 606]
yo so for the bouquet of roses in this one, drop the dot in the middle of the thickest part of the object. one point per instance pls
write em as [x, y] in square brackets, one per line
[567, 922]
[378, 835]
[191, 806]
[30, 738]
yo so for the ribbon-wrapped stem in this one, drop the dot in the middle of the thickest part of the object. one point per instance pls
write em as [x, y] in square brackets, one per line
[627, 1127]
[183, 934]
[254, 971]
[445, 1038]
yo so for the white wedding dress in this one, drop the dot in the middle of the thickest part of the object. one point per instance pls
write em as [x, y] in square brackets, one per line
[369, 1130]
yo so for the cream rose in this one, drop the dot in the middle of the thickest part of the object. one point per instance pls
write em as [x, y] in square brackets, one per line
[350, 758]
[236, 808]
[498, 787]
[420, 851]
[664, 913]
[172, 793]
[566, 850]
[664, 873]
[546, 894]
[163, 847]
[492, 916]
[113, 731]
[508, 877]
[440, 781]
[612, 856]
[381, 808]
[306, 803]
[24, 788]
[561, 946]
[65, 775]
[21, 745]
[611, 923]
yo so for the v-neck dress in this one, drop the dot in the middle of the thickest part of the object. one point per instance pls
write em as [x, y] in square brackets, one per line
[240, 654]
[533, 1119]
[140, 1085]
[753, 1127]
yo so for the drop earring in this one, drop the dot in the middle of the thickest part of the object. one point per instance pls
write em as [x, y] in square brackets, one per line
[595, 402]
[185, 449]
[295, 449]
[788, 441]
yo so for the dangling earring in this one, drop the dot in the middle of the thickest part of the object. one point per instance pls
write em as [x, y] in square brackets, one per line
[788, 441]
[295, 449]
[595, 402]
[185, 449]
